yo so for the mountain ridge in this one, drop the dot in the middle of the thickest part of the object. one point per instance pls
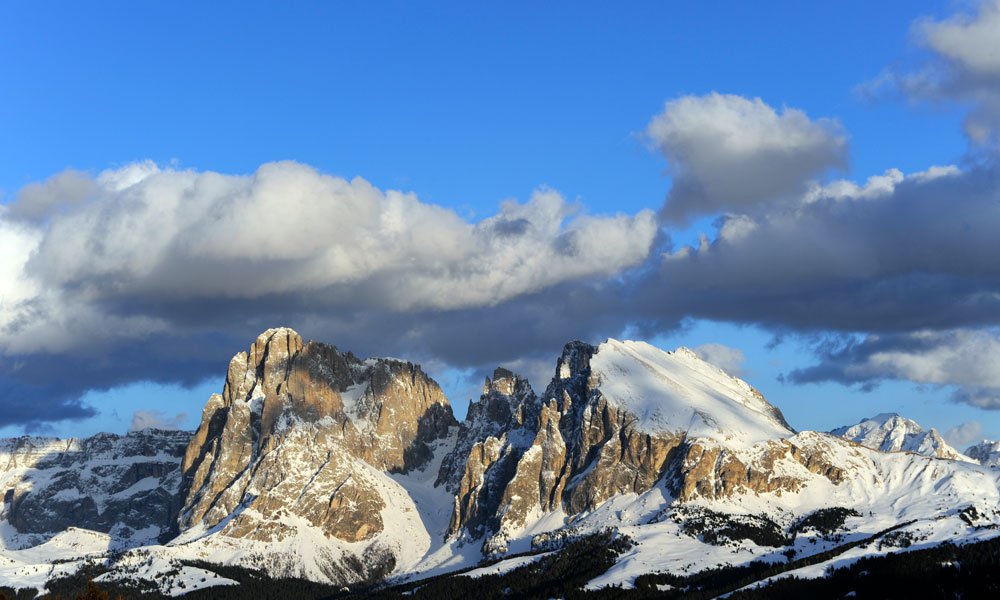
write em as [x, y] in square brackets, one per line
[891, 432]
[316, 464]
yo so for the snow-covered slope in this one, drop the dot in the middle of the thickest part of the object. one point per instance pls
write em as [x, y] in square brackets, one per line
[65, 499]
[890, 432]
[946, 500]
[677, 392]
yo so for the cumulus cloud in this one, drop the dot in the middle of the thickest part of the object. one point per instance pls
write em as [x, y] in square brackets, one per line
[63, 191]
[970, 42]
[148, 273]
[156, 419]
[960, 436]
[968, 360]
[726, 358]
[161, 237]
[962, 64]
[729, 153]
[970, 47]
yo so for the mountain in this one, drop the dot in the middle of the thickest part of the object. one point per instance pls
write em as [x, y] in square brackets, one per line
[617, 419]
[63, 497]
[986, 452]
[123, 486]
[890, 432]
[314, 464]
[296, 454]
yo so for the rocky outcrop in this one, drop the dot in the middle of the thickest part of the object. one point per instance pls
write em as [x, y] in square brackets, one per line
[303, 430]
[126, 486]
[496, 431]
[584, 450]
[711, 471]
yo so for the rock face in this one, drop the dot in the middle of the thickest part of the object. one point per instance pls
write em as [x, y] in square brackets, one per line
[890, 432]
[126, 486]
[304, 431]
[496, 432]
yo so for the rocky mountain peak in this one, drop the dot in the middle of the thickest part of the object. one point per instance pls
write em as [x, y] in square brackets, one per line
[503, 382]
[679, 392]
[297, 420]
[315, 463]
[892, 432]
[259, 370]
[616, 419]
[495, 433]
[506, 400]
[574, 360]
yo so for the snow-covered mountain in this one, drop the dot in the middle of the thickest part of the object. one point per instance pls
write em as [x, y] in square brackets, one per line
[986, 452]
[314, 463]
[124, 486]
[677, 392]
[890, 432]
[66, 497]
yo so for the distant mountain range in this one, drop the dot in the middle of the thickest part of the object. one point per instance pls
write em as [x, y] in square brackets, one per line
[315, 465]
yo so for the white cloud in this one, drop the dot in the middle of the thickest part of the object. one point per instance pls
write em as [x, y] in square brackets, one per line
[728, 153]
[17, 241]
[962, 64]
[971, 43]
[156, 419]
[970, 48]
[966, 359]
[726, 358]
[964, 434]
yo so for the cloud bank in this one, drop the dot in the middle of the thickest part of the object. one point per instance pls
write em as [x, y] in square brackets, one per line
[145, 273]
[127, 274]
[898, 254]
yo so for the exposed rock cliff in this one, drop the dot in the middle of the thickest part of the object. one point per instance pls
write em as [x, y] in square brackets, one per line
[496, 431]
[283, 438]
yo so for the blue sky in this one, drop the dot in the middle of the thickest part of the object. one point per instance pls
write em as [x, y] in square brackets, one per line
[465, 105]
